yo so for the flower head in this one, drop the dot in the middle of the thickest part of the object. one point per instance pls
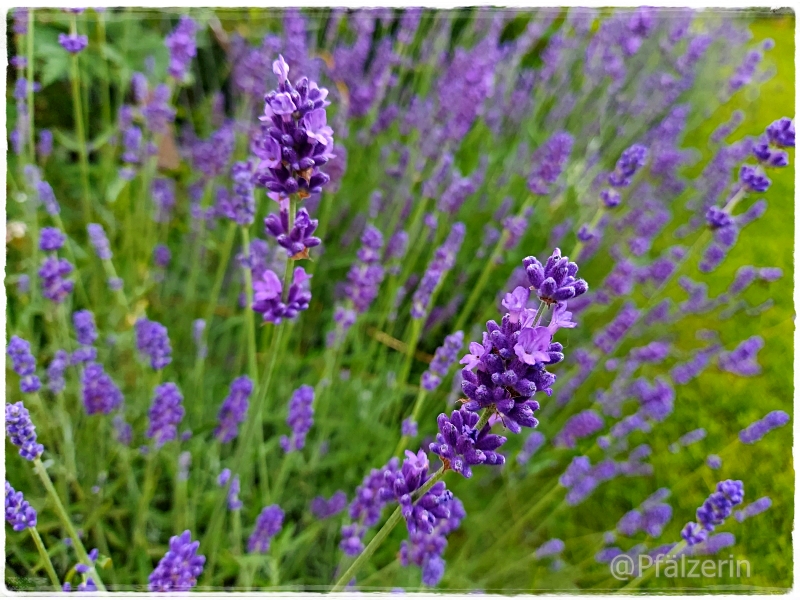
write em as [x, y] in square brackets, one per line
[180, 567]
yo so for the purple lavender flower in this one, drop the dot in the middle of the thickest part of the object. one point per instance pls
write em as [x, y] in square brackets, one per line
[549, 162]
[300, 418]
[99, 241]
[21, 20]
[443, 260]
[365, 276]
[239, 205]
[267, 298]
[24, 364]
[295, 139]
[751, 510]
[85, 328]
[533, 442]
[181, 46]
[408, 427]
[578, 426]
[753, 179]
[324, 509]
[461, 445]
[233, 492]
[51, 239]
[22, 432]
[161, 256]
[555, 281]
[163, 192]
[152, 341]
[157, 113]
[268, 524]
[687, 439]
[100, 393]
[73, 43]
[549, 548]
[23, 283]
[55, 371]
[233, 409]
[742, 359]
[714, 511]
[299, 239]
[165, 414]
[180, 567]
[631, 160]
[443, 358]
[713, 461]
[781, 132]
[758, 429]
[123, 430]
[47, 198]
[53, 273]
[19, 513]
[366, 508]
[211, 157]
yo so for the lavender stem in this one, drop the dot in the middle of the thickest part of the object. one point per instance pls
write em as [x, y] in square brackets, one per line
[48, 565]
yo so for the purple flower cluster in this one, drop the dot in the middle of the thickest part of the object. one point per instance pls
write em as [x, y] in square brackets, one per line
[268, 524]
[163, 192]
[531, 445]
[48, 198]
[19, 513]
[24, 364]
[549, 162]
[238, 205]
[323, 509]
[85, 328]
[365, 276]
[234, 409]
[233, 492]
[180, 567]
[549, 548]
[629, 163]
[578, 426]
[651, 517]
[51, 239]
[73, 43]
[751, 510]
[555, 280]
[99, 241]
[742, 359]
[56, 370]
[300, 418]
[297, 240]
[443, 260]
[152, 341]
[295, 139]
[443, 358]
[165, 414]
[181, 46]
[53, 273]
[21, 431]
[268, 301]
[758, 429]
[100, 394]
[461, 445]
[717, 507]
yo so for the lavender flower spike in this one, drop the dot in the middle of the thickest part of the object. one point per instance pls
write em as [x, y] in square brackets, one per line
[714, 511]
[165, 414]
[22, 432]
[299, 239]
[51, 239]
[180, 567]
[19, 514]
[268, 301]
[100, 393]
[53, 273]
[443, 260]
[99, 241]
[443, 358]
[323, 509]
[268, 524]
[181, 46]
[757, 430]
[555, 280]
[233, 409]
[152, 341]
[300, 419]
[24, 364]
[460, 445]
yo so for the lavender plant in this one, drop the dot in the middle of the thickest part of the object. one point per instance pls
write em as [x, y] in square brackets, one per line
[232, 342]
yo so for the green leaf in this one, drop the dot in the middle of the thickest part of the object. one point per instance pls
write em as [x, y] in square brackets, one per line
[102, 139]
[66, 140]
[115, 188]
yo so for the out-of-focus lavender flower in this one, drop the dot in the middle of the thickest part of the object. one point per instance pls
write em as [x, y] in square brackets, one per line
[45, 145]
[461, 445]
[210, 157]
[123, 430]
[323, 509]
[24, 364]
[714, 511]
[181, 46]
[408, 427]
[268, 524]
[443, 358]
[166, 413]
[549, 548]
[549, 162]
[758, 429]
[365, 276]
[443, 260]
[161, 256]
[163, 192]
[21, 20]
[713, 461]
[47, 198]
[157, 113]
[781, 132]
[73, 43]
[239, 205]
[22, 432]
[366, 508]
[52, 274]
[631, 161]
[268, 301]
[710, 546]
[99, 241]
[152, 341]
[55, 371]
[688, 439]
[532, 443]
[233, 409]
[753, 179]
[295, 138]
[233, 492]
[745, 71]
[19, 513]
[23, 283]
[742, 360]
[85, 328]
[299, 239]
[300, 418]
[198, 327]
[100, 394]
[180, 567]
[751, 510]
[578, 426]
[608, 338]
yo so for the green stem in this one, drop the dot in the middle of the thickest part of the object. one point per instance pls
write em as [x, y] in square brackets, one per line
[66, 522]
[80, 132]
[249, 315]
[111, 273]
[635, 583]
[382, 534]
[48, 565]
[401, 445]
[148, 489]
[288, 274]
[411, 349]
[191, 282]
[29, 95]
